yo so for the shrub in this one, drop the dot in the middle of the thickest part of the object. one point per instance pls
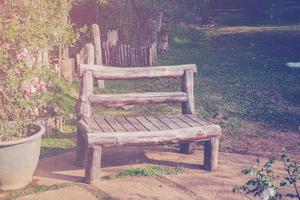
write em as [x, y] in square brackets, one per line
[29, 90]
[266, 184]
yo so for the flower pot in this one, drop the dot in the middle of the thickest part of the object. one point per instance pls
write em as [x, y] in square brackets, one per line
[18, 160]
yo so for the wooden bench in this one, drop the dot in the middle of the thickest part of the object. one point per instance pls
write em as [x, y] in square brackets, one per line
[97, 132]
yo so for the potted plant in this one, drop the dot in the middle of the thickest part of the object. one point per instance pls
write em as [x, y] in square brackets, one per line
[29, 89]
[26, 95]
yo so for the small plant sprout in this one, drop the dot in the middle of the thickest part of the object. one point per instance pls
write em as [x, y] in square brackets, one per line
[263, 182]
[293, 170]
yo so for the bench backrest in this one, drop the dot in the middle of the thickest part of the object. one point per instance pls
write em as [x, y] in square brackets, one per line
[89, 73]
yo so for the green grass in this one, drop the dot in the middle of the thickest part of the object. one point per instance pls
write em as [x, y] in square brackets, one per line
[59, 142]
[37, 189]
[147, 171]
[244, 75]
[241, 77]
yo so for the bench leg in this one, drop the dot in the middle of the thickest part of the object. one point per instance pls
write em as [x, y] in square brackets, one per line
[93, 165]
[187, 148]
[80, 151]
[211, 151]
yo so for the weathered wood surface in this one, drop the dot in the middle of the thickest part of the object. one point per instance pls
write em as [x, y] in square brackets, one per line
[144, 123]
[112, 37]
[187, 148]
[211, 152]
[95, 32]
[115, 73]
[118, 100]
[93, 165]
[87, 84]
[188, 107]
[82, 130]
[67, 69]
[154, 137]
[124, 55]
[97, 132]
[122, 131]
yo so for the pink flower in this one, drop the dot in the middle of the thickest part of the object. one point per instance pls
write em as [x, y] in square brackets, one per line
[23, 54]
[1, 88]
[6, 45]
[19, 71]
[32, 89]
[35, 112]
[41, 86]
[27, 89]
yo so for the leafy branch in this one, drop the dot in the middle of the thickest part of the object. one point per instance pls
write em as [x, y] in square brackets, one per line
[263, 183]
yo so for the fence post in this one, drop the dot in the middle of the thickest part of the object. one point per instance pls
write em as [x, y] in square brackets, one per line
[95, 32]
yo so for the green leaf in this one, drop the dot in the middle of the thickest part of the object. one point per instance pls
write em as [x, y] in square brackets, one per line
[283, 183]
[251, 182]
[246, 171]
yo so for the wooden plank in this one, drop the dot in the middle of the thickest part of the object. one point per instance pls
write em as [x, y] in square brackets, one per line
[146, 123]
[188, 107]
[168, 122]
[82, 129]
[187, 148]
[133, 58]
[108, 54]
[119, 55]
[93, 165]
[198, 119]
[211, 151]
[86, 87]
[189, 121]
[134, 122]
[95, 30]
[93, 125]
[113, 73]
[122, 54]
[130, 57]
[115, 125]
[158, 123]
[126, 55]
[115, 100]
[126, 124]
[145, 57]
[104, 125]
[155, 137]
[178, 121]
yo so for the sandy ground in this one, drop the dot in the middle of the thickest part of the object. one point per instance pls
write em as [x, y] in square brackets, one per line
[194, 183]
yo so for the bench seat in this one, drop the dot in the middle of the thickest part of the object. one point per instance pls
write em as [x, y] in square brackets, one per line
[98, 132]
[151, 130]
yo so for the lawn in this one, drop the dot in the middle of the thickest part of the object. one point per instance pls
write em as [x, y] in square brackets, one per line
[242, 84]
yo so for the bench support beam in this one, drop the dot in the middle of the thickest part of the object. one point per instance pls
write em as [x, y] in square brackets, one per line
[188, 107]
[211, 149]
[187, 148]
[93, 165]
[80, 151]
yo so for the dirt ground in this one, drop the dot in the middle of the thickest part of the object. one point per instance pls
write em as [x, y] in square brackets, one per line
[262, 141]
[193, 183]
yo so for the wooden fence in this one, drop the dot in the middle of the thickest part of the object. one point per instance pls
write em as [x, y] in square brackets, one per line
[124, 55]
